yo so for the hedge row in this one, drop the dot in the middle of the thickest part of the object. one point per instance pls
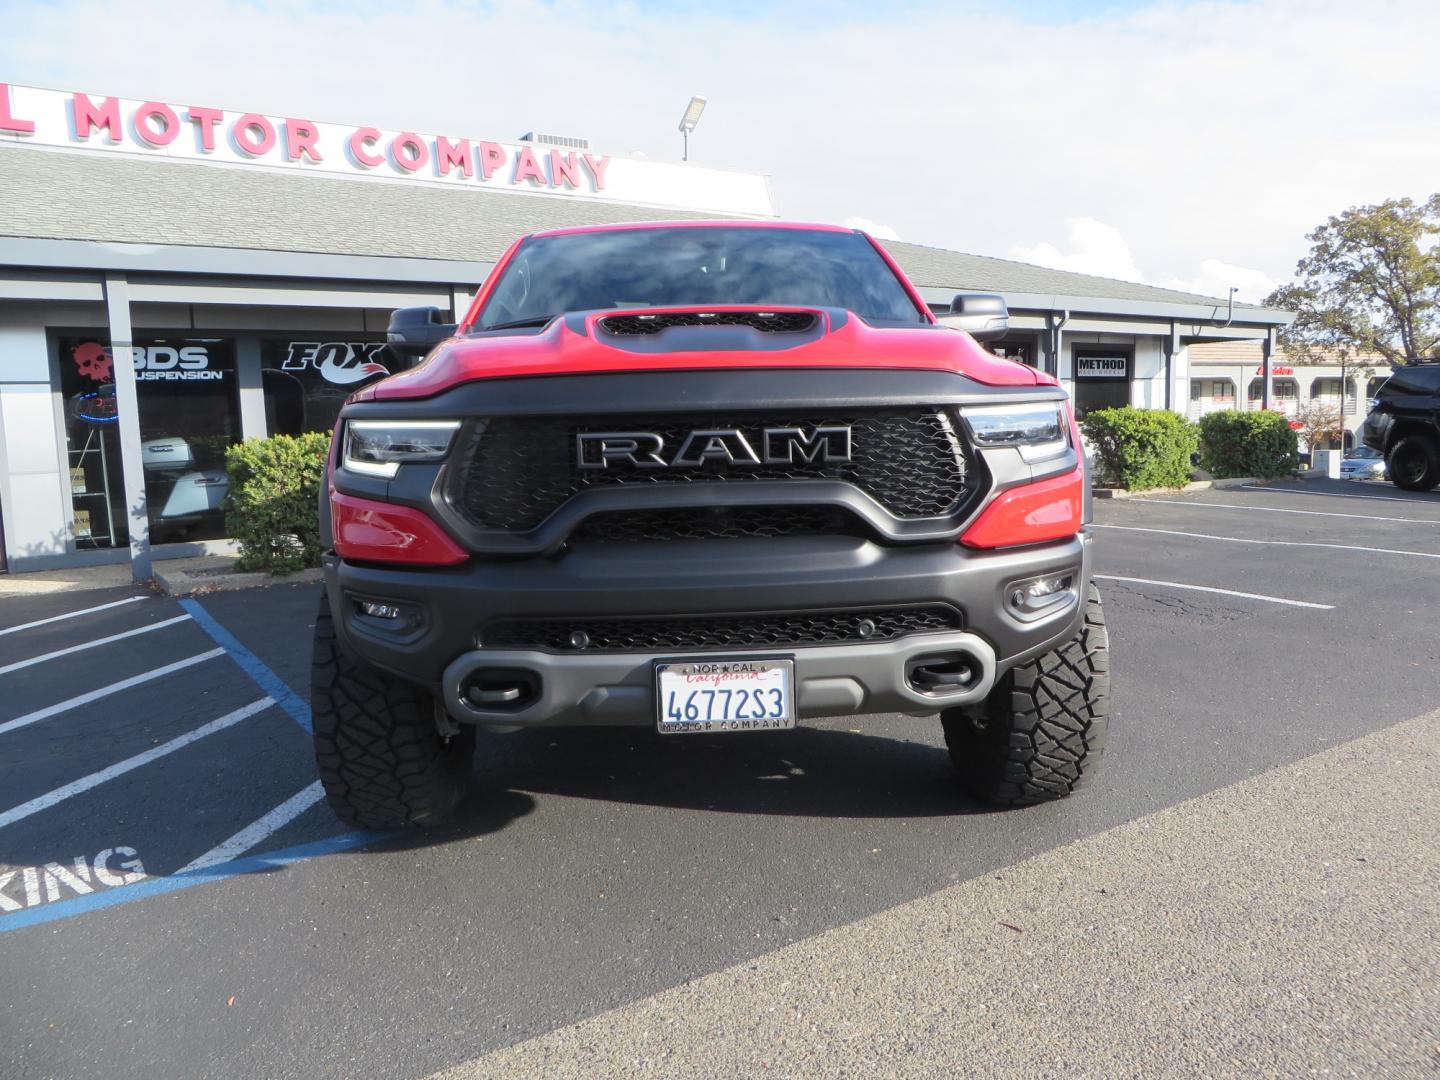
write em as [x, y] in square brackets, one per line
[1247, 444]
[272, 511]
[1140, 448]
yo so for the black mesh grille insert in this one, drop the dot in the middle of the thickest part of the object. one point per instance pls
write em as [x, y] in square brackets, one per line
[718, 522]
[773, 322]
[687, 632]
[513, 472]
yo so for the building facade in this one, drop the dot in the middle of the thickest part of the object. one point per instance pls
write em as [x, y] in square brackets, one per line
[222, 275]
[1230, 375]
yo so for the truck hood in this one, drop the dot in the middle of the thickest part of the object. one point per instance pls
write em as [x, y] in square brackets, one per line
[683, 339]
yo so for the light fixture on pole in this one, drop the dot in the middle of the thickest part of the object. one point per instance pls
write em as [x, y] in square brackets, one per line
[689, 120]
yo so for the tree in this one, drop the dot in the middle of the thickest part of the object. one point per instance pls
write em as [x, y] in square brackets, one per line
[1370, 284]
[1320, 425]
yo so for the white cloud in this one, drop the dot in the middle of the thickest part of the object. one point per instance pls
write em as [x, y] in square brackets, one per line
[1093, 247]
[1197, 129]
[874, 228]
[1217, 277]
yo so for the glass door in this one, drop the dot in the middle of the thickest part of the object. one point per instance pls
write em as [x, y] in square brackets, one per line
[92, 443]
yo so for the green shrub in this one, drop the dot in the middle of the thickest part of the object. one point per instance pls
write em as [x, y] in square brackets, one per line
[272, 511]
[1247, 444]
[1140, 448]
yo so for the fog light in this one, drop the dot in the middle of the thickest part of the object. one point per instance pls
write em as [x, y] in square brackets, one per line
[379, 611]
[1027, 598]
[1047, 586]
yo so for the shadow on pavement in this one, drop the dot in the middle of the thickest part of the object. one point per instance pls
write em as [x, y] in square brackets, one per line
[812, 772]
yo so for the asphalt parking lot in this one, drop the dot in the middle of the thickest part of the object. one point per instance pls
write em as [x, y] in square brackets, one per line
[176, 901]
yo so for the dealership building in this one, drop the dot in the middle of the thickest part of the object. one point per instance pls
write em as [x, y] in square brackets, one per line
[229, 275]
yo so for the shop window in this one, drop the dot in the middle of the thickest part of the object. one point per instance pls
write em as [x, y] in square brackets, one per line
[1019, 349]
[1281, 389]
[1212, 389]
[306, 380]
[189, 415]
[1330, 388]
[1102, 377]
[92, 443]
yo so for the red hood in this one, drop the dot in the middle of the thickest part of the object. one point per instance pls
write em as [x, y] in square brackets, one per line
[561, 350]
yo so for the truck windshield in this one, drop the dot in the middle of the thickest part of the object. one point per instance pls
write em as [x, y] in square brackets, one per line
[683, 267]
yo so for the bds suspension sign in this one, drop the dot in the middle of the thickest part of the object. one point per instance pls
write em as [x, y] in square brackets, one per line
[81, 121]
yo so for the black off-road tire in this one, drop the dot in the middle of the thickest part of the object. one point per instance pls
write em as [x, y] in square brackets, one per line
[1414, 463]
[382, 759]
[1040, 733]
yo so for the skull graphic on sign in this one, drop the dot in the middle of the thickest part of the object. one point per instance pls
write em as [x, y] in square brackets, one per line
[93, 361]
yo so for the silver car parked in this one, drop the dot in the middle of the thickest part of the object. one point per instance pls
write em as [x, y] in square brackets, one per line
[1363, 464]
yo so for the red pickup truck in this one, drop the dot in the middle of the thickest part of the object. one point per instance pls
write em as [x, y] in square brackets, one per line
[710, 477]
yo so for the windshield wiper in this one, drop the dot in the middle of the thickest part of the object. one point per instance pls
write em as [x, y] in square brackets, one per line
[516, 324]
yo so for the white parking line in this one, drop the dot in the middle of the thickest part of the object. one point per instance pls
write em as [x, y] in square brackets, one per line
[1280, 510]
[1223, 592]
[70, 615]
[106, 691]
[258, 830]
[1341, 495]
[91, 644]
[1271, 543]
[85, 783]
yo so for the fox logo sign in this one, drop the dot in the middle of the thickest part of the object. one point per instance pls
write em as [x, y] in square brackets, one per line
[339, 362]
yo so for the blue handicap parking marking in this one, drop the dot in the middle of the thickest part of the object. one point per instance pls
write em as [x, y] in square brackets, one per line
[251, 664]
[50, 867]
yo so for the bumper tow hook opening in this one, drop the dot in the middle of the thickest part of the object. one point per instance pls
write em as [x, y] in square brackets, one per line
[941, 674]
[500, 690]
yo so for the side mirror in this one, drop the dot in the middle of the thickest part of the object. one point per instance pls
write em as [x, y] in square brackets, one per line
[983, 315]
[414, 331]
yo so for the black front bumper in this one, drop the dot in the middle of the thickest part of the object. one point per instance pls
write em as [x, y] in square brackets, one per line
[438, 639]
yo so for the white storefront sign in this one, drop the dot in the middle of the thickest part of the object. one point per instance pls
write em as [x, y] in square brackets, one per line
[89, 123]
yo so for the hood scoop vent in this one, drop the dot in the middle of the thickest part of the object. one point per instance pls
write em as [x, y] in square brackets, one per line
[770, 322]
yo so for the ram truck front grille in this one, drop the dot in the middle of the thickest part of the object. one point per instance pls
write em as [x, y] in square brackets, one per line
[512, 472]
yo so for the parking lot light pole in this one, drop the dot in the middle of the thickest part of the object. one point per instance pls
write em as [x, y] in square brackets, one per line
[1267, 350]
[688, 122]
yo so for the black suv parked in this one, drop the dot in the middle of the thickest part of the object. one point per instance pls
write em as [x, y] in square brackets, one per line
[1404, 425]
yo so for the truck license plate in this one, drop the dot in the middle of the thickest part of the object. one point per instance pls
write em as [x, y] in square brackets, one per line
[725, 695]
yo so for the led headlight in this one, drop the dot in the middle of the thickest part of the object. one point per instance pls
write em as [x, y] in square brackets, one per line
[1039, 430]
[380, 447]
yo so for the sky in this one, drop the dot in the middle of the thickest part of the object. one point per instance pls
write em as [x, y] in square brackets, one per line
[1185, 144]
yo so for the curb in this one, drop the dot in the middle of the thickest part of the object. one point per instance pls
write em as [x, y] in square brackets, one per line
[173, 582]
[1194, 485]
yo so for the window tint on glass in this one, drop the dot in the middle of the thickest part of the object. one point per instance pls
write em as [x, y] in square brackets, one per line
[683, 267]
[92, 437]
[307, 379]
[189, 417]
[1281, 389]
[1414, 379]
